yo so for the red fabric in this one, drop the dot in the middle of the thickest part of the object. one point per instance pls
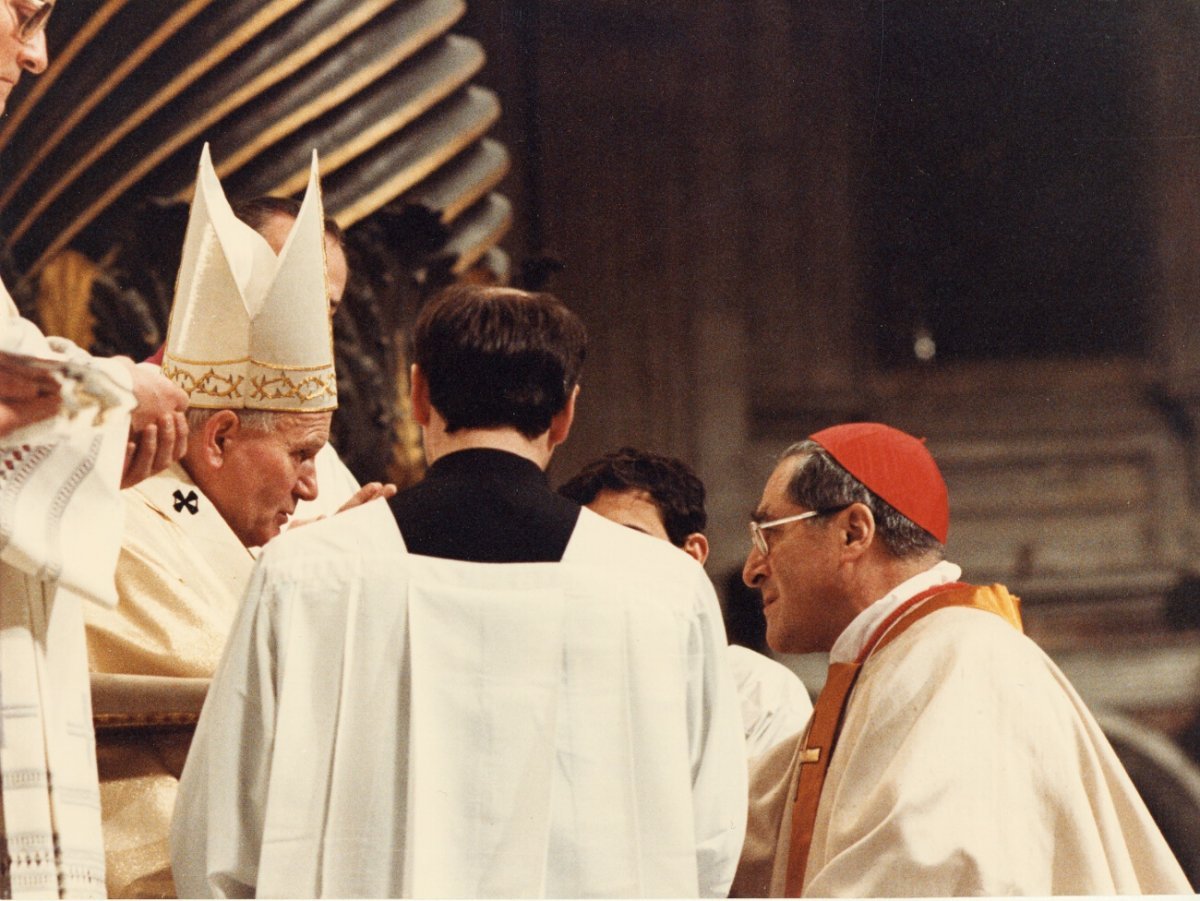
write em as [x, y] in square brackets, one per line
[894, 465]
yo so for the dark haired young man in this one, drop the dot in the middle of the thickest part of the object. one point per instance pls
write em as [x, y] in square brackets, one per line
[664, 498]
[481, 704]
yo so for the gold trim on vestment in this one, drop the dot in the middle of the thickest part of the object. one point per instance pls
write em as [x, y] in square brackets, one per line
[249, 360]
[234, 362]
[281, 388]
[209, 383]
[230, 386]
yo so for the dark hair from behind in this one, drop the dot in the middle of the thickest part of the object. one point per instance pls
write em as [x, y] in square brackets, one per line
[498, 357]
[257, 211]
[675, 489]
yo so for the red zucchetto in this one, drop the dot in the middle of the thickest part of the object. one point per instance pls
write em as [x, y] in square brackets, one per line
[895, 466]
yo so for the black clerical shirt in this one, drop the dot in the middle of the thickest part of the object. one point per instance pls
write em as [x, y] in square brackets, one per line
[486, 506]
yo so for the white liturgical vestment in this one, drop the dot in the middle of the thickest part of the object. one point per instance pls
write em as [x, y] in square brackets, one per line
[386, 724]
[775, 704]
[966, 765]
[60, 528]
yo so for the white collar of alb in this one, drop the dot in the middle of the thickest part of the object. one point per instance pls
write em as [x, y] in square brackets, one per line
[855, 635]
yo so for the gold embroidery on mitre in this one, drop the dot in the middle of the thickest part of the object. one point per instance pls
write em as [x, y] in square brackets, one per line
[238, 301]
[309, 388]
[210, 383]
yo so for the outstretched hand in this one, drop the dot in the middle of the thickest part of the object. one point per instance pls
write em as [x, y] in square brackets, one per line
[368, 492]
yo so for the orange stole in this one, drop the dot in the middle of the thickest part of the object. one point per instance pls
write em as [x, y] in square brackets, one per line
[829, 711]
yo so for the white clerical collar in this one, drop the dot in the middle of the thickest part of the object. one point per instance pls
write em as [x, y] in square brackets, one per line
[855, 635]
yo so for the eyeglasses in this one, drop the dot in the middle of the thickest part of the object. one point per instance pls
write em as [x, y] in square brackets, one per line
[759, 540]
[31, 17]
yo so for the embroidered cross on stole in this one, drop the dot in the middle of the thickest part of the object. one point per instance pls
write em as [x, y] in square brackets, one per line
[829, 711]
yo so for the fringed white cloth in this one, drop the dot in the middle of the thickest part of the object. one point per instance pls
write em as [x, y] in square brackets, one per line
[60, 532]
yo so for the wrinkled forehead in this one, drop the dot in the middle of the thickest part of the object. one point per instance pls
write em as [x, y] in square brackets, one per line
[309, 423]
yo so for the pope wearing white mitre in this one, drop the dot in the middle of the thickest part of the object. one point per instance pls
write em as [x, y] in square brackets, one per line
[250, 343]
[501, 694]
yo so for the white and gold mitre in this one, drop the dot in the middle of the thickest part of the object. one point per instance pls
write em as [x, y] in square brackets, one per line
[250, 329]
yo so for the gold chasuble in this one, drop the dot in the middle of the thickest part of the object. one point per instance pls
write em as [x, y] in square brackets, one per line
[180, 576]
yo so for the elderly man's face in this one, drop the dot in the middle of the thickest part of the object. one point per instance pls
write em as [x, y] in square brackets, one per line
[798, 578]
[22, 42]
[266, 473]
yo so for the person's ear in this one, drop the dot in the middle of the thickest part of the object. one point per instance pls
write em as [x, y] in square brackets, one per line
[696, 544]
[560, 425]
[857, 529]
[220, 428]
[419, 396]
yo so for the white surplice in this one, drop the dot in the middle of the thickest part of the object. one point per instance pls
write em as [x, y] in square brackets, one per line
[775, 704]
[60, 527]
[966, 765]
[386, 724]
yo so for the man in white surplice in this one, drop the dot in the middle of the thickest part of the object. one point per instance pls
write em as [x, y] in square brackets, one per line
[68, 442]
[509, 696]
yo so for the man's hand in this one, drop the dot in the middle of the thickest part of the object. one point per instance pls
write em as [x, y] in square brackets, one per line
[368, 492]
[158, 431]
[26, 396]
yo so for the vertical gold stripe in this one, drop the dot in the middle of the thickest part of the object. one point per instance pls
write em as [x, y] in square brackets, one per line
[406, 178]
[368, 138]
[331, 98]
[257, 23]
[156, 40]
[61, 61]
